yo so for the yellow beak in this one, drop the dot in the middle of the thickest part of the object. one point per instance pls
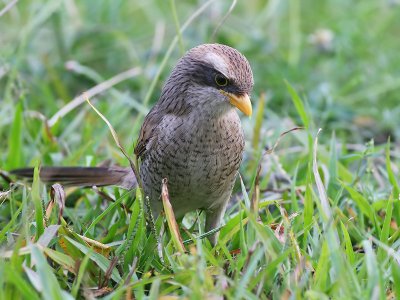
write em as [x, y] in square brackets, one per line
[242, 102]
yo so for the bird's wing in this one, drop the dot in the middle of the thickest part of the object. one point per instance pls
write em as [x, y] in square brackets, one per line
[151, 124]
[148, 131]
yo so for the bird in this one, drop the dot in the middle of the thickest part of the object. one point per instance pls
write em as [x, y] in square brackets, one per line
[192, 137]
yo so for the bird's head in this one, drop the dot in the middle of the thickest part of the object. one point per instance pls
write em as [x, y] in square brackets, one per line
[212, 76]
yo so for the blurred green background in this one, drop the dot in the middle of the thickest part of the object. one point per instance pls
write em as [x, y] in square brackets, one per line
[341, 57]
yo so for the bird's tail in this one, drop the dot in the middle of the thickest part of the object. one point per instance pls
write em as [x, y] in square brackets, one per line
[83, 176]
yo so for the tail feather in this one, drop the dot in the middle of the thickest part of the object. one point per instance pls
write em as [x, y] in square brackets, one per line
[83, 176]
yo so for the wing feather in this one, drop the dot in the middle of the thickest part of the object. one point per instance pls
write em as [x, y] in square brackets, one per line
[148, 131]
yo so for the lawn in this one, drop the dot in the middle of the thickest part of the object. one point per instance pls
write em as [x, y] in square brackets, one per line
[315, 213]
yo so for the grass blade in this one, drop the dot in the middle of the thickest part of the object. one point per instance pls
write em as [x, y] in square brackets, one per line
[14, 156]
[37, 202]
[299, 105]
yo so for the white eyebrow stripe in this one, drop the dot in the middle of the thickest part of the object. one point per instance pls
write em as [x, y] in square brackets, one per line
[217, 62]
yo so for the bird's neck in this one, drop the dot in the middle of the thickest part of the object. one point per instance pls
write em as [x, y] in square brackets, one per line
[204, 118]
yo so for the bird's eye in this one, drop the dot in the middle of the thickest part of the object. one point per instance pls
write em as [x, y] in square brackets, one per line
[221, 80]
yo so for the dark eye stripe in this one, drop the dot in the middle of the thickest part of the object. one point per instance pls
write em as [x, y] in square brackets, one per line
[206, 75]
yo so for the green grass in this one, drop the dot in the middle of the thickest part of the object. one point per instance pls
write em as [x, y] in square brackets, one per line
[327, 223]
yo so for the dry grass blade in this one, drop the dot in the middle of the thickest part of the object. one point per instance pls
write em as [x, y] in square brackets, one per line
[213, 36]
[116, 139]
[132, 270]
[93, 92]
[269, 151]
[90, 293]
[7, 7]
[57, 195]
[250, 254]
[49, 233]
[4, 195]
[171, 47]
[169, 213]
[318, 181]
[107, 275]
[43, 119]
